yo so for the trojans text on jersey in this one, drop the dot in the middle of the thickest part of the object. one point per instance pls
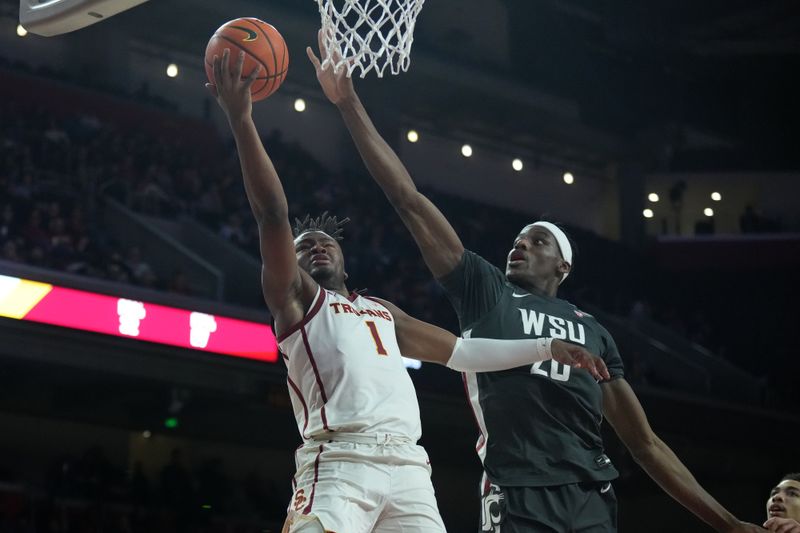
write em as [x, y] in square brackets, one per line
[345, 308]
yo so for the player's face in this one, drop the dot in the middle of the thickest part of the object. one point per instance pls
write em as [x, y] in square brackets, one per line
[784, 500]
[321, 256]
[534, 256]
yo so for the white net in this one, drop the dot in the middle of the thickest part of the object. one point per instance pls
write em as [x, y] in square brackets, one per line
[367, 35]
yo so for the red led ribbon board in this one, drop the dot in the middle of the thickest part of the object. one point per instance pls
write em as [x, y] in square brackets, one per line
[122, 317]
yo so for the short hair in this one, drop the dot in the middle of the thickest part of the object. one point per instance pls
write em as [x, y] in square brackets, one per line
[794, 476]
[324, 223]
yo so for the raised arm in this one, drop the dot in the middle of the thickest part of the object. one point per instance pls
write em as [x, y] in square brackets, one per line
[426, 342]
[625, 414]
[437, 240]
[288, 291]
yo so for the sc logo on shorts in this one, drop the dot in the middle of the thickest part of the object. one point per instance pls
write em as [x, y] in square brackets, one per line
[299, 500]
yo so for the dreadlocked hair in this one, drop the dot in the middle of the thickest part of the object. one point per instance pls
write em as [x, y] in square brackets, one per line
[327, 224]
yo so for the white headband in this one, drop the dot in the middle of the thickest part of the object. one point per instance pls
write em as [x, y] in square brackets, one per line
[561, 239]
[300, 237]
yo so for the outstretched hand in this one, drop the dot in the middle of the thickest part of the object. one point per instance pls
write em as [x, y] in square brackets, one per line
[336, 84]
[231, 91]
[570, 354]
[782, 525]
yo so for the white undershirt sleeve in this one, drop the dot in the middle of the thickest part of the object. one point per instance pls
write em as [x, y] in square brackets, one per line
[490, 355]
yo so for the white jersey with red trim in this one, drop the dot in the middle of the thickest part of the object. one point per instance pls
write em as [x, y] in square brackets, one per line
[346, 373]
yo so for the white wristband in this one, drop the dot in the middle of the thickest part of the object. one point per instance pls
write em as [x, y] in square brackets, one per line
[491, 355]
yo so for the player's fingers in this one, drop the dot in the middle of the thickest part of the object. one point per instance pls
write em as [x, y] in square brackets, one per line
[588, 362]
[602, 368]
[237, 70]
[212, 89]
[226, 63]
[579, 356]
[596, 365]
[251, 78]
[336, 55]
[312, 57]
[592, 369]
[790, 527]
[320, 43]
[218, 81]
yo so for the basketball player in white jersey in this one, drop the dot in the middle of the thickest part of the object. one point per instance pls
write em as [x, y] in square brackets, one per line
[359, 469]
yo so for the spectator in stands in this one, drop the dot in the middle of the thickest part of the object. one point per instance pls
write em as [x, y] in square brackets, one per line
[213, 487]
[640, 311]
[10, 252]
[116, 269]
[232, 230]
[141, 271]
[177, 487]
[139, 485]
[179, 283]
[8, 224]
[25, 188]
[750, 221]
[783, 505]
[33, 231]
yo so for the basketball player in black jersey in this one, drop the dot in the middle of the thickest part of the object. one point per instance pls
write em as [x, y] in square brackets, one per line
[540, 443]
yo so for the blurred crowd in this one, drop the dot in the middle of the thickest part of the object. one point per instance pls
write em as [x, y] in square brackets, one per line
[58, 166]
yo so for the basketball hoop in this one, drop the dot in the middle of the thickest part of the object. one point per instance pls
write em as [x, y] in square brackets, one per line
[368, 35]
[55, 17]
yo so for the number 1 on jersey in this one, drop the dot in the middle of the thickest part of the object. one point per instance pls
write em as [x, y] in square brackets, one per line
[373, 329]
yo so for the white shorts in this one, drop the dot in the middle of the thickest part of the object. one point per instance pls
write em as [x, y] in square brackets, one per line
[359, 487]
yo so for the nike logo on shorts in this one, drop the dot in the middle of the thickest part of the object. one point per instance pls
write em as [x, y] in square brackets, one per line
[515, 295]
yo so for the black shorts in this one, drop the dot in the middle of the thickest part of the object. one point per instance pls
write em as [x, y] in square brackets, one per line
[589, 507]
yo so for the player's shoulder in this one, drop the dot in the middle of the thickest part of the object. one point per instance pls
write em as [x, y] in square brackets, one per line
[580, 313]
[474, 260]
[583, 316]
[591, 321]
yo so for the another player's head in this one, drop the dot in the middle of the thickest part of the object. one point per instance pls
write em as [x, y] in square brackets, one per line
[316, 244]
[784, 498]
[541, 257]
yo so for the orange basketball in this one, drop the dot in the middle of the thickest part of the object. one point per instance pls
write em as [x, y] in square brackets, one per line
[261, 43]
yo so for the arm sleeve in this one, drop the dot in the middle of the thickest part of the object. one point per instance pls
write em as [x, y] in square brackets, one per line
[474, 287]
[469, 355]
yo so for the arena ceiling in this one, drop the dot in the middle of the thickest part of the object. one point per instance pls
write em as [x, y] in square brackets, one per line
[700, 85]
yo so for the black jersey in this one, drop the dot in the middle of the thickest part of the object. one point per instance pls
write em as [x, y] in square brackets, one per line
[540, 424]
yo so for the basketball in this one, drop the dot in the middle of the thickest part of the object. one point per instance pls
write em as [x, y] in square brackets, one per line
[262, 44]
